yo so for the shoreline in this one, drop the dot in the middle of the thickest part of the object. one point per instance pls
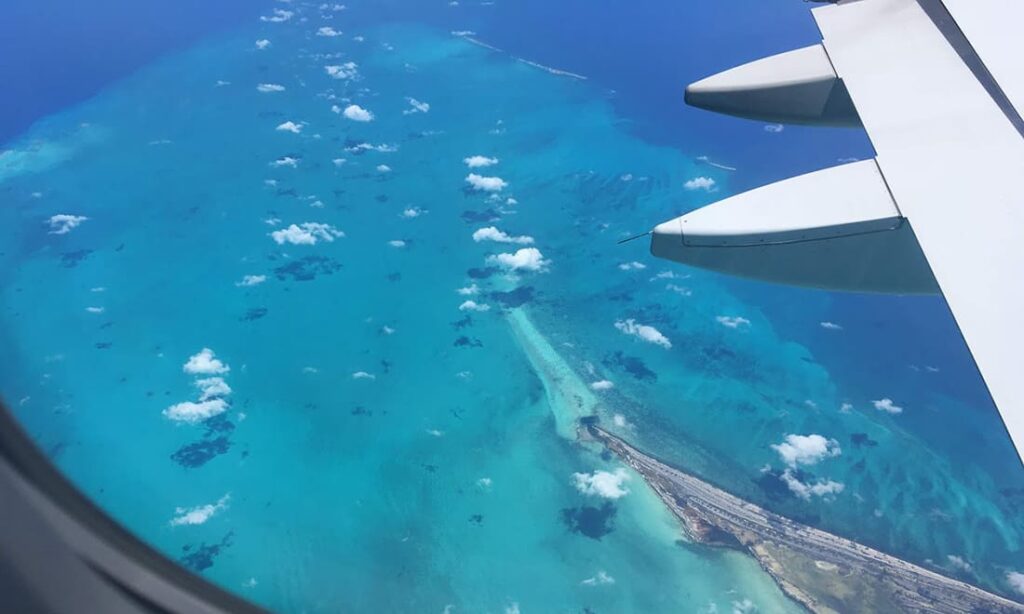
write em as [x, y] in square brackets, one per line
[822, 572]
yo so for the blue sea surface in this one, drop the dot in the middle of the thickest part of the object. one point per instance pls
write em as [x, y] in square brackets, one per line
[281, 344]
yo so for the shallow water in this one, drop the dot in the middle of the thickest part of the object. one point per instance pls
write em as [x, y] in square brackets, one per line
[384, 449]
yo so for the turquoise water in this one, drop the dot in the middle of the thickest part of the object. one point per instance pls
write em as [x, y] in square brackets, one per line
[384, 450]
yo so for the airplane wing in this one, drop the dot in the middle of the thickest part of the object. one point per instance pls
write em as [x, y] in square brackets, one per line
[939, 87]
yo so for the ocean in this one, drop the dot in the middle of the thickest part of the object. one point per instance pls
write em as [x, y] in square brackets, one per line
[319, 311]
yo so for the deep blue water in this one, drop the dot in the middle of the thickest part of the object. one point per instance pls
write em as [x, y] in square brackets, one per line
[391, 450]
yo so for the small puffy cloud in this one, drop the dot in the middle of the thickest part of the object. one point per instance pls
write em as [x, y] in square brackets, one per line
[632, 266]
[262, 43]
[479, 161]
[473, 306]
[411, 212]
[307, 233]
[601, 385]
[959, 563]
[887, 405]
[382, 148]
[396, 243]
[212, 388]
[205, 363]
[609, 485]
[383, 168]
[774, 128]
[484, 482]
[1016, 581]
[469, 290]
[486, 184]
[600, 579]
[700, 183]
[806, 449]
[416, 106]
[732, 321]
[194, 413]
[643, 331]
[279, 16]
[831, 326]
[286, 161]
[348, 70]
[357, 113]
[620, 421]
[525, 259]
[493, 234]
[62, 223]
[289, 126]
[363, 375]
[200, 514]
[328, 32]
[746, 606]
[267, 88]
[806, 490]
[95, 310]
[846, 408]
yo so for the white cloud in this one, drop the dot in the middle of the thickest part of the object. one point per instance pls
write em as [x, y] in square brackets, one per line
[632, 266]
[307, 233]
[267, 88]
[289, 126]
[95, 310]
[357, 113]
[821, 488]
[348, 70]
[643, 331]
[831, 326]
[959, 563]
[493, 234]
[846, 408]
[484, 482]
[887, 405]
[620, 421]
[396, 243]
[382, 148]
[251, 280]
[479, 161]
[328, 31]
[278, 16]
[469, 290]
[435, 433]
[417, 106]
[363, 375]
[473, 306]
[806, 449]
[486, 184]
[527, 259]
[680, 290]
[205, 363]
[339, 162]
[1016, 581]
[285, 161]
[62, 223]
[602, 385]
[383, 168]
[212, 387]
[600, 579]
[732, 322]
[609, 485]
[193, 413]
[774, 128]
[200, 514]
[743, 607]
[262, 43]
[412, 212]
[700, 183]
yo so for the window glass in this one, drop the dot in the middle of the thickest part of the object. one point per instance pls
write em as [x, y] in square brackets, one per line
[322, 301]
